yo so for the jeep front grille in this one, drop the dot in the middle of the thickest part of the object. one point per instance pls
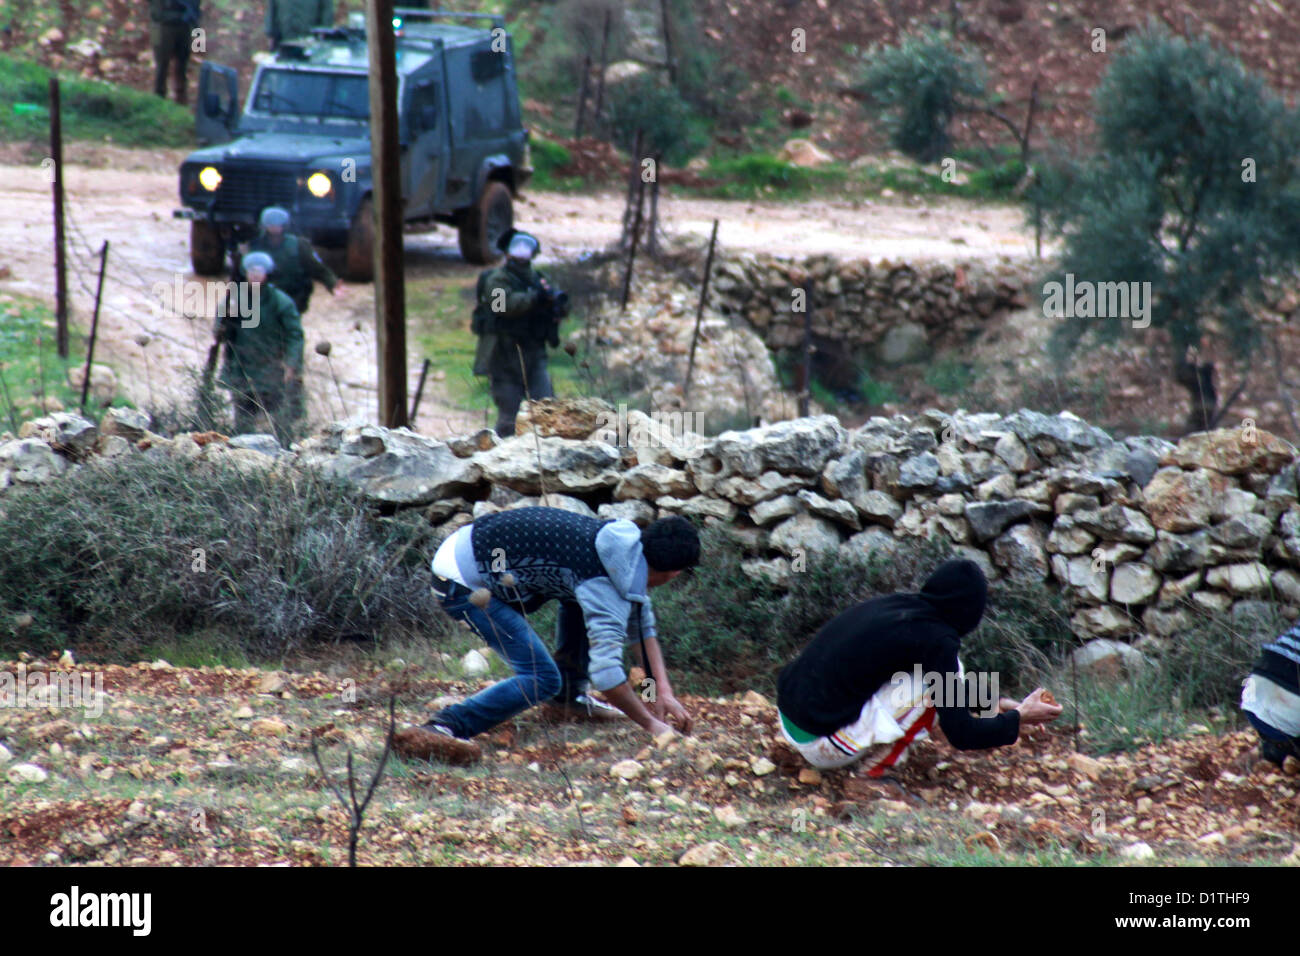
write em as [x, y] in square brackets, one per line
[250, 191]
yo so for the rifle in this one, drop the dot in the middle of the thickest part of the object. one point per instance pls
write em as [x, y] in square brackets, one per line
[223, 330]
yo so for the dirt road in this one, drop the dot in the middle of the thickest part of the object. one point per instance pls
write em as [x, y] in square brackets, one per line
[128, 196]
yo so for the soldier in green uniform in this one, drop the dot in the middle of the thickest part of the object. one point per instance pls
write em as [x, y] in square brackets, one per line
[286, 19]
[170, 26]
[263, 364]
[297, 263]
[517, 315]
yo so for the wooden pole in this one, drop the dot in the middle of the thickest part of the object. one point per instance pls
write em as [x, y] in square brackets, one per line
[699, 309]
[631, 252]
[60, 262]
[419, 390]
[94, 324]
[669, 59]
[600, 78]
[582, 97]
[805, 384]
[385, 162]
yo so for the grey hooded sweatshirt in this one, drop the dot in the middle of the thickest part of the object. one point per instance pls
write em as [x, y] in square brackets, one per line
[553, 553]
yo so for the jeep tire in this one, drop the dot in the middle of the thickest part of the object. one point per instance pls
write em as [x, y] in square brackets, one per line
[207, 251]
[360, 252]
[484, 222]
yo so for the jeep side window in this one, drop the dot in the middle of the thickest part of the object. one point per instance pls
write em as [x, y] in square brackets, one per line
[424, 108]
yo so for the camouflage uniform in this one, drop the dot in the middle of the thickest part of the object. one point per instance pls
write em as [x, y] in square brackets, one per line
[523, 324]
[296, 265]
[169, 33]
[286, 19]
[255, 361]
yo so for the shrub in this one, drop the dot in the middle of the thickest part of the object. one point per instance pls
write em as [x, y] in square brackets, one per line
[918, 86]
[118, 555]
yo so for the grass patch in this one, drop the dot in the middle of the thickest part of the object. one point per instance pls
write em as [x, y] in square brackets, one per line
[92, 110]
[949, 376]
[30, 363]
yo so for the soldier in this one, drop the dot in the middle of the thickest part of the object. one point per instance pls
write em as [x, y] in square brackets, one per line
[263, 353]
[286, 19]
[296, 261]
[518, 314]
[171, 23]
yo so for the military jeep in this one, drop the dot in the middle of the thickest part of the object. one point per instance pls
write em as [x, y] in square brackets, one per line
[303, 141]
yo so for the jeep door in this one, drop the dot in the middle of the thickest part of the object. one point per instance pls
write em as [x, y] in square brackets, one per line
[481, 113]
[216, 112]
[424, 146]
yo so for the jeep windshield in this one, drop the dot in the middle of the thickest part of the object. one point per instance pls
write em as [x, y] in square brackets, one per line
[311, 95]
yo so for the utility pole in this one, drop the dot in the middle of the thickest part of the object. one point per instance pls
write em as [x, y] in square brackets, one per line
[60, 263]
[385, 164]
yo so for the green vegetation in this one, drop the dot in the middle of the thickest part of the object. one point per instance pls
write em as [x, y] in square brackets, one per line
[114, 557]
[92, 109]
[549, 158]
[30, 367]
[950, 376]
[667, 123]
[918, 87]
[1195, 189]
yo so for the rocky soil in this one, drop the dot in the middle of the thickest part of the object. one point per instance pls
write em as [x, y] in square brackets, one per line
[191, 766]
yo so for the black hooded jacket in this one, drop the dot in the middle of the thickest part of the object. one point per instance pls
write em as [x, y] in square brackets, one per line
[859, 652]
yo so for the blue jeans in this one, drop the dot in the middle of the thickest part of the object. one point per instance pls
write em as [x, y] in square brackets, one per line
[507, 632]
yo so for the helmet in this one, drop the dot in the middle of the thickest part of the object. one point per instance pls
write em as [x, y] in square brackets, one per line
[519, 244]
[274, 216]
[257, 260]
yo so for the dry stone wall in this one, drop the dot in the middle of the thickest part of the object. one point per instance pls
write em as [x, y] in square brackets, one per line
[890, 307]
[1136, 533]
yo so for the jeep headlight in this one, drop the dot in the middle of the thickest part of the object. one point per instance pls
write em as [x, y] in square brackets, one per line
[209, 178]
[320, 185]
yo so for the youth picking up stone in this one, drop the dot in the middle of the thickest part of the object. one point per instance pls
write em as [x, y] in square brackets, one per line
[496, 570]
[851, 696]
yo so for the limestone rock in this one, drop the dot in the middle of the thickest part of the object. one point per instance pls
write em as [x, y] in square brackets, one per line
[1232, 451]
[127, 423]
[566, 464]
[563, 417]
[1178, 500]
[64, 432]
[1019, 552]
[989, 518]
[804, 534]
[1107, 658]
[1133, 583]
[653, 481]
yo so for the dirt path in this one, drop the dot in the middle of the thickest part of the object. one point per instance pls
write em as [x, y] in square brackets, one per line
[128, 196]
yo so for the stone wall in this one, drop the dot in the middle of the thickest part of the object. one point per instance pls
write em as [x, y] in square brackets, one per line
[1135, 533]
[890, 307]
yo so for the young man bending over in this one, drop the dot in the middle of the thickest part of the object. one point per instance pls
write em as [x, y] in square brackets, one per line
[852, 693]
[493, 572]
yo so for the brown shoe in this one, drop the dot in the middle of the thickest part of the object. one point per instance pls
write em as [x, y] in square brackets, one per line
[584, 710]
[420, 743]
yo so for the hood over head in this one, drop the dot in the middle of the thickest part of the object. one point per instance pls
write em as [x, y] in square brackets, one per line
[958, 593]
[618, 544]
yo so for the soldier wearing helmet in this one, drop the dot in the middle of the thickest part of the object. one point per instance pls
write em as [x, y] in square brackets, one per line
[517, 315]
[263, 366]
[297, 263]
